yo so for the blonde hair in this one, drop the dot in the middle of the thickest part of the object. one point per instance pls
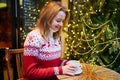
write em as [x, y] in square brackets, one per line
[47, 14]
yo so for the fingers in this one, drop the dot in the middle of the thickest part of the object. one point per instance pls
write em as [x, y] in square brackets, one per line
[69, 69]
[70, 72]
[72, 67]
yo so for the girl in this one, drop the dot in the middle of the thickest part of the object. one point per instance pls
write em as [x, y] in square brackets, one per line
[42, 47]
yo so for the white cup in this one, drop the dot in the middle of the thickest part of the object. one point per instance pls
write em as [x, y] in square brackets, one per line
[76, 63]
[78, 71]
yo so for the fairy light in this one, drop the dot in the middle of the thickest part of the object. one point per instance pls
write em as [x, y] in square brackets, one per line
[93, 35]
[30, 16]
[73, 33]
[99, 10]
[78, 33]
[86, 31]
[76, 12]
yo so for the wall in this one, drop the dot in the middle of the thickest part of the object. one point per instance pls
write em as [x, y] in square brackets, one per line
[5, 28]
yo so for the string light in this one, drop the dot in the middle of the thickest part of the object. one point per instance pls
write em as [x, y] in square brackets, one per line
[87, 31]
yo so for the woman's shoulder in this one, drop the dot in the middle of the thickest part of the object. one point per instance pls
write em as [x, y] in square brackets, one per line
[33, 38]
[34, 33]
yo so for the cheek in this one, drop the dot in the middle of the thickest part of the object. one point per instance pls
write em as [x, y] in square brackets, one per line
[54, 23]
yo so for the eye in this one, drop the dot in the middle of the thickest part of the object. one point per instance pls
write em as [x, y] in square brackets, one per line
[58, 20]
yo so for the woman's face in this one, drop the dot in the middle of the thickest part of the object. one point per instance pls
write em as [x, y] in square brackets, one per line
[57, 22]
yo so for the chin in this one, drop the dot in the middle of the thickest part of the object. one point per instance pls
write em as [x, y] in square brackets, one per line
[56, 30]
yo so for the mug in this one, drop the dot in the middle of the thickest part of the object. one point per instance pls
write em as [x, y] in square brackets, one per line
[76, 63]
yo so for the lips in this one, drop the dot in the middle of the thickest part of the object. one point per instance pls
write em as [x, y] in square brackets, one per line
[57, 27]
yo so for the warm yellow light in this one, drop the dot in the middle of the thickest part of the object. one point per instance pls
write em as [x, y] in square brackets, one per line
[3, 5]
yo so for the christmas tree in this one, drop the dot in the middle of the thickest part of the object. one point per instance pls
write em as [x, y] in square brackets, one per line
[92, 35]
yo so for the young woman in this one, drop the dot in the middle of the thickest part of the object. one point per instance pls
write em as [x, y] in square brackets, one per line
[42, 47]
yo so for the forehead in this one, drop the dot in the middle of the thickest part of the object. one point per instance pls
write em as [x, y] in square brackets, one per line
[60, 14]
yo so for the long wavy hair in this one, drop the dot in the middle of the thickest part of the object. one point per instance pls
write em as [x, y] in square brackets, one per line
[47, 14]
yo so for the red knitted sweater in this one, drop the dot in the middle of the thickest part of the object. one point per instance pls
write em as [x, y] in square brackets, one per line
[41, 58]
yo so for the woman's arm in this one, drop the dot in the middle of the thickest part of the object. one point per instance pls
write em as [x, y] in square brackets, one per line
[32, 71]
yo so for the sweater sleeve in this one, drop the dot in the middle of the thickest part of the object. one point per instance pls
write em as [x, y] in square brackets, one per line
[34, 72]
[63, 62]
[31, 69]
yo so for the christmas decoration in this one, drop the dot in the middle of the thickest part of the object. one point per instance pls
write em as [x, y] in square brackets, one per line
[92, 35]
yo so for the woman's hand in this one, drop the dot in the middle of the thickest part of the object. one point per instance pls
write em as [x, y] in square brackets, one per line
[69, 69]
[77, 64]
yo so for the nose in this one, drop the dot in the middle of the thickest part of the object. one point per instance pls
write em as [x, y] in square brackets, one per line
[61, 23]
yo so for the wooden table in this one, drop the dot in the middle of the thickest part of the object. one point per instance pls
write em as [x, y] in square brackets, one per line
[93, 72]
